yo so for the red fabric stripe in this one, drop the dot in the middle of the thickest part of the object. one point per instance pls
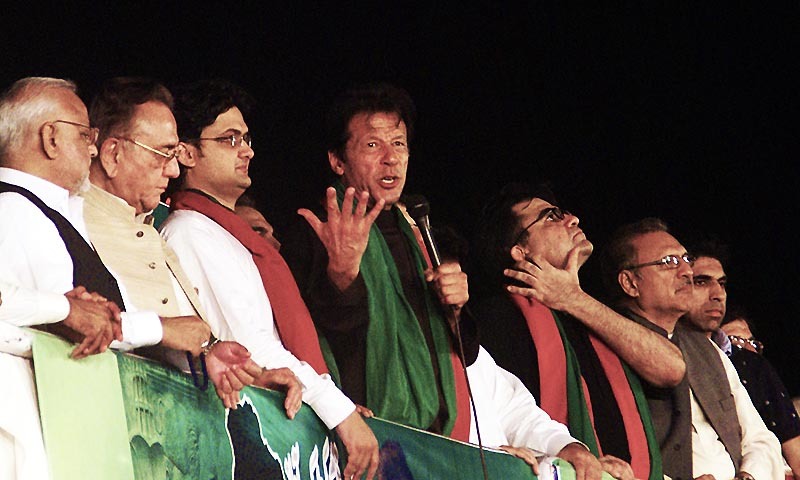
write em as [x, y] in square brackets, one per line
[462, 424]
[552, 359]
[637, 441]
[292, 318]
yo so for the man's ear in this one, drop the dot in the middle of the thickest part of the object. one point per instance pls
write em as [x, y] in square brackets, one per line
[48, 138]
[188, 155]
[627, 280]
[518, 253]
[109, 156]
[337, 165]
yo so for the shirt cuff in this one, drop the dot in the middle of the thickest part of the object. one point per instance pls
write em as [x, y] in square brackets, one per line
[139, 329]
[329, 403]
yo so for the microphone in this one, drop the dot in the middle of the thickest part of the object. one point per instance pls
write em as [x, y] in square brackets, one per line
[418, 208]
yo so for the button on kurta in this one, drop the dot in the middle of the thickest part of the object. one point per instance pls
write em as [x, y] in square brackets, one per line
[164, 300]
[152, 265]
[140, 234]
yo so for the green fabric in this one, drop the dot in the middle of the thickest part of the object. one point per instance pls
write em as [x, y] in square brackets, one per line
[82, 412]
[399, 374]
[578, 419]
[656, 467]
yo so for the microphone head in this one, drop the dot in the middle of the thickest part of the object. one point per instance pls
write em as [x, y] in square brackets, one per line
[417, 206]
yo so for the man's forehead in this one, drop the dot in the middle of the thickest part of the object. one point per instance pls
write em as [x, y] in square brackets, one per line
[530, 207]
[708, 267]
[378, 121]
[229, 120]
[70, 103]
[660, 243]
[153, 115]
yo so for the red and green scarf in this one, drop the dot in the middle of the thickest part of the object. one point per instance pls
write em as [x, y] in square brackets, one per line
[565, 398]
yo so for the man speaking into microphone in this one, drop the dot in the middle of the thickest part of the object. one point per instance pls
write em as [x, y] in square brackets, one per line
[364, 273]
[366, 280]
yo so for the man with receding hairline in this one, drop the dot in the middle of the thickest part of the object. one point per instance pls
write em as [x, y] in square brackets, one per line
[46, 145]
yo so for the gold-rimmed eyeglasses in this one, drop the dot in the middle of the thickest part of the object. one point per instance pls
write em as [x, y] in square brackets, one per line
[168, 156]
[89, 134]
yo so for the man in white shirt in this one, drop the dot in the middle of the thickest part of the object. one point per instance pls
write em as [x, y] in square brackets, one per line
[231, 282]
[707, 425]
[46, 145]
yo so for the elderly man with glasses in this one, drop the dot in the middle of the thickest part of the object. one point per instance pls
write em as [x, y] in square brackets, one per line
[138, 149]
[706, 426]
[46, 145]
[576, 355]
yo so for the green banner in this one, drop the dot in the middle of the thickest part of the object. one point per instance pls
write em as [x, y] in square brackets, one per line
[124, 417]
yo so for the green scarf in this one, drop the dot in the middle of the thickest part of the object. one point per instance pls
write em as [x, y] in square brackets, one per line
[400, 378]
[579, 421]
[656, 467]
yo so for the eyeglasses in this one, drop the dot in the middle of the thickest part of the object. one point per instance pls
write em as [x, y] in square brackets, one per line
[168, 156]
[233, 140]
[670, 261]
[552, 214]
[740, 342]
[89, 134]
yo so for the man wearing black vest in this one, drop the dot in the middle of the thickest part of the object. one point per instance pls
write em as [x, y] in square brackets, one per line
[45, 150]
[46, 145]
[707, 425]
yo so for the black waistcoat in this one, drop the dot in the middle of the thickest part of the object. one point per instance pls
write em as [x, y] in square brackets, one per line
[87, 268]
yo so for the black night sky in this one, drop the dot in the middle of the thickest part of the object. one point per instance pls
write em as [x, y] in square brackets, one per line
[687, 112]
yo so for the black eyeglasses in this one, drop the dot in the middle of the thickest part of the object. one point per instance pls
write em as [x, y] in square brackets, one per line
[670, 261]
[89, 134]
[552, 214]
[232, 140]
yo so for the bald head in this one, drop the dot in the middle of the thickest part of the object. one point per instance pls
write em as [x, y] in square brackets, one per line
[44, 131]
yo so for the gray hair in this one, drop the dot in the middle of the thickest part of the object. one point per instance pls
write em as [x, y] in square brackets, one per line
[22, 105]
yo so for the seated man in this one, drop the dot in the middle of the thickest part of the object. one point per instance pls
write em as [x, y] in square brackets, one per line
[707, 425]
[137, 156]
[244, 285]
[556, 338]
[765, 387]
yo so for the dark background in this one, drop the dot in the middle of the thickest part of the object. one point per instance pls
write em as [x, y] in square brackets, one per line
[686, 112]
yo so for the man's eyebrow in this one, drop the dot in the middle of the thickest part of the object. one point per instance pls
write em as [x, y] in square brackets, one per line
[701, 277]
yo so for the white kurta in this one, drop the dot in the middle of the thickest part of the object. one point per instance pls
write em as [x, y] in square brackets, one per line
[508, 413]
[761, 451]
[233, 297]
[36, 271]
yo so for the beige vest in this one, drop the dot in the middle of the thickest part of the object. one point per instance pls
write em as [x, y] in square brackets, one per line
[137, 255]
